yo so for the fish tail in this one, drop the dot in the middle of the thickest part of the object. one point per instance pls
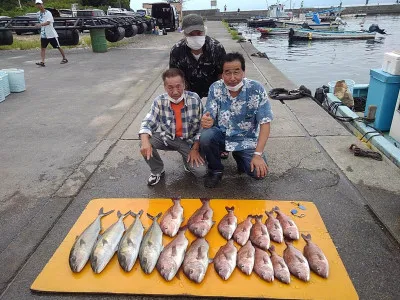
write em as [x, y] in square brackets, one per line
[119, 214]
[154, 217]
[176, 199]
[307, 237]
[287, 241]
[136, 215]
[271, 248]
[229, 209]
[183, 228]
[103, 214]
[204, 200]
[276, 209]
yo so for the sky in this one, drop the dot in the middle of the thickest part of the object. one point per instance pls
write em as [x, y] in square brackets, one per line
[261, 4]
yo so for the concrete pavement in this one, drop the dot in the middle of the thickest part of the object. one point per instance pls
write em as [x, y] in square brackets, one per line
[72, 137]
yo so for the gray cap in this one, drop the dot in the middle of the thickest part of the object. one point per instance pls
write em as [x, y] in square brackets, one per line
[192, 22]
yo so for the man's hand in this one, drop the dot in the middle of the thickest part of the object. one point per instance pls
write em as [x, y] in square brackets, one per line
[146, 149]
[194, 157]
[257, 163]
[207, 121]
[38, 25]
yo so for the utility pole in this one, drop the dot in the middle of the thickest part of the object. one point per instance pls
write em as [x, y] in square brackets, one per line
[19, 2]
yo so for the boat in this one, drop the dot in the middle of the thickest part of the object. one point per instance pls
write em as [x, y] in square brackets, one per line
[307, 34]
[321, 26]
[272, 31]
[261, 22]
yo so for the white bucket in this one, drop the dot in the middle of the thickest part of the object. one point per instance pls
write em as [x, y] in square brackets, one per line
[350, 85]
[4, 84]
[2, 96]
[16, 79]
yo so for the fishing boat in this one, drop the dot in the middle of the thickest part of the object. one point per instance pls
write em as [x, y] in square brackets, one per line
[261, 22]
[321, 26]
[307, 34]
[272, 31]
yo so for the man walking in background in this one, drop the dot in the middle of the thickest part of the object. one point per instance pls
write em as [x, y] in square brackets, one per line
[48, 35]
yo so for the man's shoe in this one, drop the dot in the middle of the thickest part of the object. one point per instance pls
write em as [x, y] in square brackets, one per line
[155, 178]
[212, 179]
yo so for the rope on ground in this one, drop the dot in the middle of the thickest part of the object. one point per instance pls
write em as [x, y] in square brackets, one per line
[365, 153]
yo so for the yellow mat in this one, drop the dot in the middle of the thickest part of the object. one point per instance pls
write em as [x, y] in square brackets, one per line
[57, 276]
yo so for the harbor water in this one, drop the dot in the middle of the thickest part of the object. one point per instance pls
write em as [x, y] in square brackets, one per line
[315, 63]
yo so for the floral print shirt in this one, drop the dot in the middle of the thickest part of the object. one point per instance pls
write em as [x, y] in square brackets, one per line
[240, 117]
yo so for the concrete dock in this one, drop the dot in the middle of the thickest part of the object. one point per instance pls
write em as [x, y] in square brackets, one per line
[72, 137]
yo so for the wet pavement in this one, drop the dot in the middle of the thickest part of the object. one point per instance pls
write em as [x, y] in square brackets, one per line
[72, 137]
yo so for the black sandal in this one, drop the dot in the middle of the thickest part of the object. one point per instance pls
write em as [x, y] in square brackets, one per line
[40, 64]
[64, 61]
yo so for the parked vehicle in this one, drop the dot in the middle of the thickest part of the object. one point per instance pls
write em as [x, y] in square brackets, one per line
[165, 15]
[29, 20]
[90, 13]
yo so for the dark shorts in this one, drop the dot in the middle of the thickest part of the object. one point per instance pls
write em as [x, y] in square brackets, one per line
[53, 41]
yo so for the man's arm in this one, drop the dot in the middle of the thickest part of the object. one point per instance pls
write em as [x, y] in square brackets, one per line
[210, 118]
[173, 58]
[149, 124]
[257, 162]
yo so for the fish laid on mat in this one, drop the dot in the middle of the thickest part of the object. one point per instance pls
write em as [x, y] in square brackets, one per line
[316, 258]
[129, 245]
[263, 265]
[83, 246]
[242, 232]
[172, 256]
[228, 223]
[172, 219]
[201, 221]
[274, 227]
[245, 258]
[296, 262]
[281, 270]
[225, 260]
[290, 229]
[107, 244]
[151, 246]
[196, 260]
[259, 234]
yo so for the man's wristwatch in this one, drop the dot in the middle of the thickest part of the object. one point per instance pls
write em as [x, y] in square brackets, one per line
[257, 153]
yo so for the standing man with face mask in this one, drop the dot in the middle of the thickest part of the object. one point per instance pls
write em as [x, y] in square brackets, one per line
[177, 113]
[197, 55]
[238, 116]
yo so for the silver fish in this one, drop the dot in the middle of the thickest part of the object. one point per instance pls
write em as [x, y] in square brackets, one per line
[245, 258]
[296, 262]
[196, 260]
[172, 219]
[107, 244]
[281, 270]
[151, 246]
[172, 256]
[80, 251]
[263, 265]
[201, 221]
[316, 258]
[228, 223]
[225, 260]
[128, 249]
[274, 227]
[242, 231]
[259, 234]
[290, 229]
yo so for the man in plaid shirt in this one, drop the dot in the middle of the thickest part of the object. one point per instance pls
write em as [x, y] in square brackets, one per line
[173, 124]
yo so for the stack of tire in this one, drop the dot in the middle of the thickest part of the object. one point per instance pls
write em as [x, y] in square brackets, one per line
[6, 37]
[68, 37]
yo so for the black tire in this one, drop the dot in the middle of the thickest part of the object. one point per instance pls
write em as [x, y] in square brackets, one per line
[6, 37]
[142, 28]
[18, 32]
[68, 37]
[115, 34]
[135, 30]
[121, 31]
[130, 31]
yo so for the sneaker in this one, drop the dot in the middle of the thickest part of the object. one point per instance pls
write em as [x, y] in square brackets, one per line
[212, 179]
[185, 167]
[155, 178]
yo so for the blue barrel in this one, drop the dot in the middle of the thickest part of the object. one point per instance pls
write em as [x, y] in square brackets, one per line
[4, 84]
[383, 91]
[16, 78]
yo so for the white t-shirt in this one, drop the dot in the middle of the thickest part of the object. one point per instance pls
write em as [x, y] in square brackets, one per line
[47, 31]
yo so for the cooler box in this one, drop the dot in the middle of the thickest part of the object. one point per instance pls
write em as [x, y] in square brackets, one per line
[391, 63]
[382, 92]
[395, 128]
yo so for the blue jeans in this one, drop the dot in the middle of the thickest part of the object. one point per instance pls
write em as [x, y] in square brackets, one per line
[212, 142]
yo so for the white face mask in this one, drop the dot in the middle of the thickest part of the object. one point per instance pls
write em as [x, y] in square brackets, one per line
[176, 101]
[234, 88]
[195, 42]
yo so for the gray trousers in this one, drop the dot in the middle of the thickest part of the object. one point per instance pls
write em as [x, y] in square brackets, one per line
[155, 162]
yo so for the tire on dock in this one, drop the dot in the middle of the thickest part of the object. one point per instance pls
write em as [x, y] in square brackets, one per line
[115, 34]
[142, 28]
[131, 30]
[6, 37]
[68, 37]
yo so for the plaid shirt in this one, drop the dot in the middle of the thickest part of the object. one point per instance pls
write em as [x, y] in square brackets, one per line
[161, 116]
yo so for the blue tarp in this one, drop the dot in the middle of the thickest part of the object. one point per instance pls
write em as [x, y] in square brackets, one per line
[316, 19]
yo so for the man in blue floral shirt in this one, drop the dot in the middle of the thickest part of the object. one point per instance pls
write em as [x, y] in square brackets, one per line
[238, 116]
